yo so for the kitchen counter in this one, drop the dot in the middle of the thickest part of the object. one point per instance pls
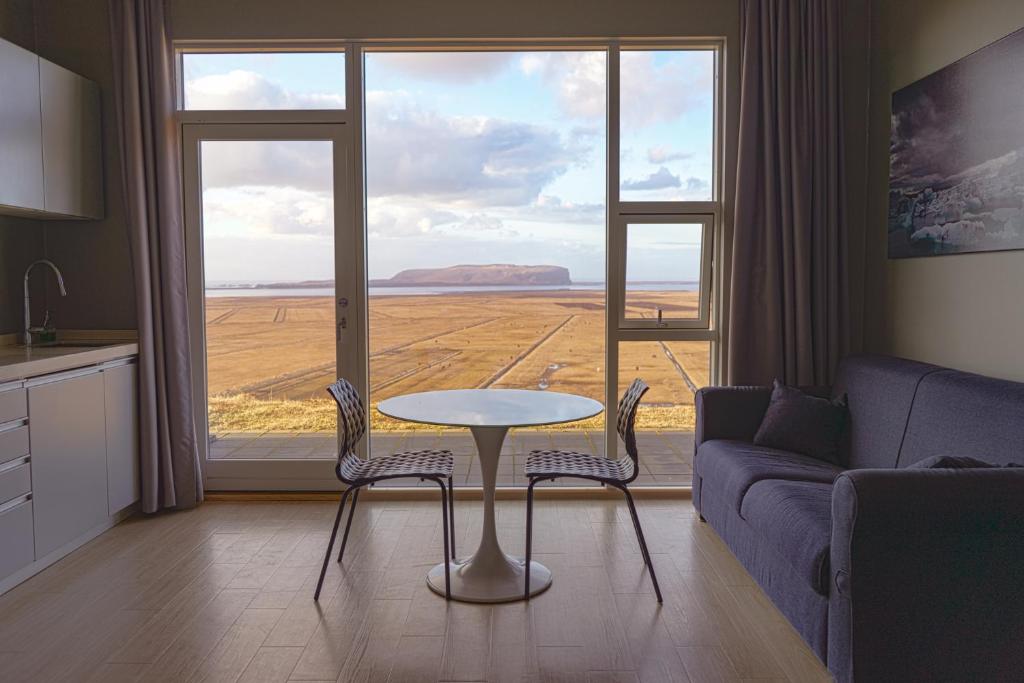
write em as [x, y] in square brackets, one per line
[19, 362]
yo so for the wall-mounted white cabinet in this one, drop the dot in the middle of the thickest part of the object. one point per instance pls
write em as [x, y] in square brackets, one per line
[21, 138]
[72, 175]
[50, 139]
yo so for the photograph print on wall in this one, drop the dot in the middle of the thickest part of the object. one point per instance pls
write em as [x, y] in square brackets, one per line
[956, 155]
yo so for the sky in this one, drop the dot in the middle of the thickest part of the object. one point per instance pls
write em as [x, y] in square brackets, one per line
[472, 157]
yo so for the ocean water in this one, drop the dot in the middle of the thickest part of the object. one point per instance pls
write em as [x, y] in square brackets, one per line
[438, 291]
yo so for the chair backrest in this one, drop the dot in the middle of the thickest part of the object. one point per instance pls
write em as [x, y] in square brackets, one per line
[626, 416]
[353, 416]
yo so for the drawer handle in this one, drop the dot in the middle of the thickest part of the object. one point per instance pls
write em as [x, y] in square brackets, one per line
[8, 426]
[11, 504]
[15, 464]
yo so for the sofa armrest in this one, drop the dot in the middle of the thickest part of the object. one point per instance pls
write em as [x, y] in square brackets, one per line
[729, 412]
[927, 568]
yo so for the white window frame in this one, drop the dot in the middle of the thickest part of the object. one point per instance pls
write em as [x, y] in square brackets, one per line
[618, 329]
[710, 326]
[620, 233]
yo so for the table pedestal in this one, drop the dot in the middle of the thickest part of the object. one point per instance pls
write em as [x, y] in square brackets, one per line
[490, 575]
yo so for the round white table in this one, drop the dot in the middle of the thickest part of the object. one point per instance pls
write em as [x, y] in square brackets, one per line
[490, 575]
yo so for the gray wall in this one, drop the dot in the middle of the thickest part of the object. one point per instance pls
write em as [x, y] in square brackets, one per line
[964, 311]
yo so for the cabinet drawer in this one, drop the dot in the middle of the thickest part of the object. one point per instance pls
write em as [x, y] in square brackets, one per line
[16, 538]
[14, 481]
[13, 443]
[13, 405]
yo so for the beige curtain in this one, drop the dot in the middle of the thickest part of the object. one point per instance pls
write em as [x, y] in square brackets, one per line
[788, 282]
[149, 146]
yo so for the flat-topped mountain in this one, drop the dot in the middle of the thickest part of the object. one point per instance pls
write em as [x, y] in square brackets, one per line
[489, 275]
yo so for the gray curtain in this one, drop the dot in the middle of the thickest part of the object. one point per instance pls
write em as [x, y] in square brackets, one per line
[788, 282]
[150, 164]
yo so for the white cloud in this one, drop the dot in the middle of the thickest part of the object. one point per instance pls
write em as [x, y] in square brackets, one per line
[663, 154]
[469, 161]
[660, 179]
[696, 186]
[580, 79]
[305, 164]
[240, 89]
[654, 93]
[482, 222]
[551, 209]
[253, 211]
[386, 218]
[445, 67]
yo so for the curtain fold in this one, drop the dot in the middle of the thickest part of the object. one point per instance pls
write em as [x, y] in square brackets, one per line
[150, 149]
[788, 281]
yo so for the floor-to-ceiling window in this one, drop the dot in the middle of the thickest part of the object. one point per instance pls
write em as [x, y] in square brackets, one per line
[422, 217]
[485, 186]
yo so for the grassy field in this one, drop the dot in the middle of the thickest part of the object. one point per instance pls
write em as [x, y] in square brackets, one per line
[269, 358]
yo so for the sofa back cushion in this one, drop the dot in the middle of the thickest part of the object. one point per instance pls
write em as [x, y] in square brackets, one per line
[880, 391]
[961, 414]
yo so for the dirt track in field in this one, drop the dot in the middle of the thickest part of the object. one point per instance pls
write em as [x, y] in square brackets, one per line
[283, 347]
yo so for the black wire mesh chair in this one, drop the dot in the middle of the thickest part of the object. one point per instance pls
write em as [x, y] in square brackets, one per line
[546, 465]
[353, 471]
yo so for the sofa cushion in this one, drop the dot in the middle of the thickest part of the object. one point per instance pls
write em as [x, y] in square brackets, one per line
[880, 391]
[963, 414]
[795, 517]
[729, 468]
[801, 423]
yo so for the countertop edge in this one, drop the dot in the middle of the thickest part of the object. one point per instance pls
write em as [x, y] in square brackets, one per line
[14, 370]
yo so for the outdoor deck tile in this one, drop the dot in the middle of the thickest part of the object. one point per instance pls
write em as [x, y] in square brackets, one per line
[665, 457]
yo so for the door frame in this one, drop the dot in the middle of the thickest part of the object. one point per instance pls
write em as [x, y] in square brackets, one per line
[298, 474]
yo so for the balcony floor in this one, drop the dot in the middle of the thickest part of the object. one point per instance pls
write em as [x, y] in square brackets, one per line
[666, 458]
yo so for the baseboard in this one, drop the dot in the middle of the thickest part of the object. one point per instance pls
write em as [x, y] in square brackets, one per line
[394, 493]
[28, 571]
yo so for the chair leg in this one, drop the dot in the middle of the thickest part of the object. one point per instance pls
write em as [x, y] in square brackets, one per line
[451, 515]
[330, 546]
[636, 529]
[529, 538]
[348, 524]
[444, 524]
[643, 543]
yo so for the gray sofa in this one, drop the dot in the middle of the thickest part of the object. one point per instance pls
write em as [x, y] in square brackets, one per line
[888, 573]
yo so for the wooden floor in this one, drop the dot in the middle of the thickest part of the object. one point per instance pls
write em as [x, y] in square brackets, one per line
[224, 593]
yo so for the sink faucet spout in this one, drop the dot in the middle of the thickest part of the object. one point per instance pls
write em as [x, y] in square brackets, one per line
[28, 303]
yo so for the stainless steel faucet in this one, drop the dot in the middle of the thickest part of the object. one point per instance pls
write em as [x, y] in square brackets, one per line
[28, 307]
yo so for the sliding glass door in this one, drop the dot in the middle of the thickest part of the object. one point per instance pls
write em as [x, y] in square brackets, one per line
[266, 205]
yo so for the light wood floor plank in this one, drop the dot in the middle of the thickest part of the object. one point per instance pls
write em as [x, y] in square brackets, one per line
[271, 665]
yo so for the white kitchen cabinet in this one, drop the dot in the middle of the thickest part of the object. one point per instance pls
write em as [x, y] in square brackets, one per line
[68, 439]
[50, 139]
[70, 109]
[21, 159]
[122, 427]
